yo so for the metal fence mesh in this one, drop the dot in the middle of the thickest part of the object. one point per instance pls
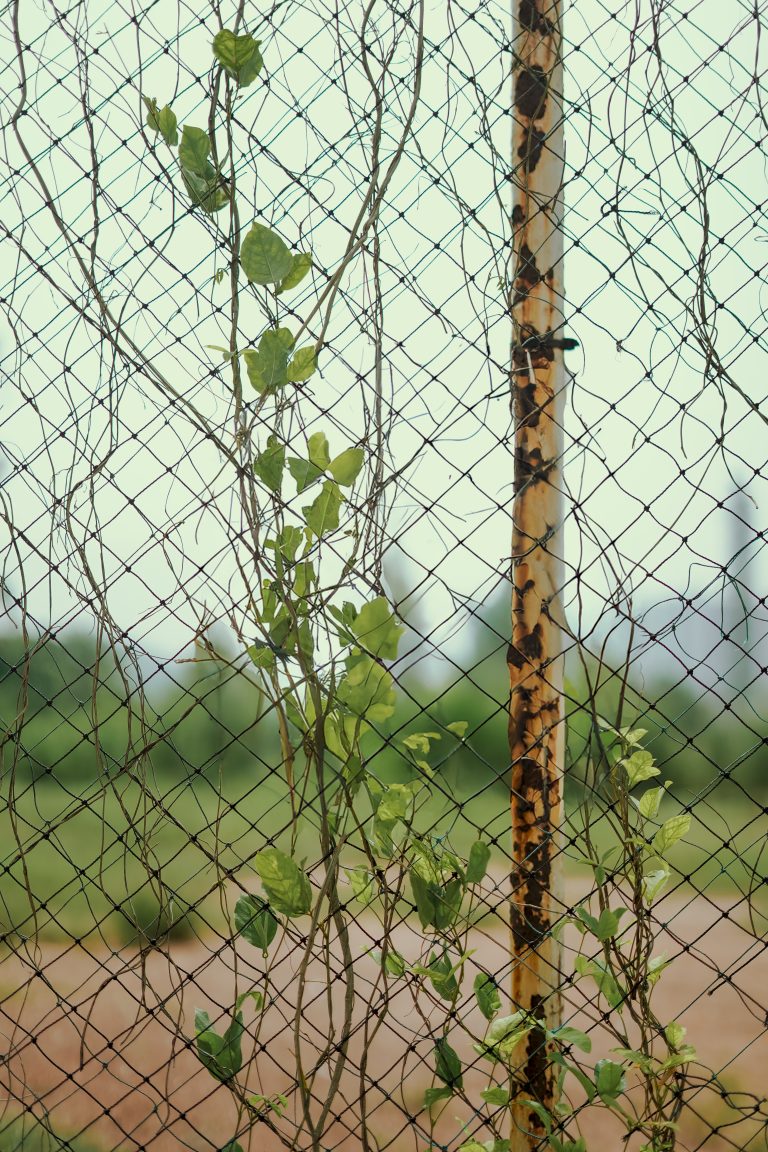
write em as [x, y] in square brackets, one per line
[142, 768]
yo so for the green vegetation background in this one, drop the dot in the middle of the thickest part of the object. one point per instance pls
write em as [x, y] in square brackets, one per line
[135, 847]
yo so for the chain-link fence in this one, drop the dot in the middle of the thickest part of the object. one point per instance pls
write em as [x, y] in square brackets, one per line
[280, 532]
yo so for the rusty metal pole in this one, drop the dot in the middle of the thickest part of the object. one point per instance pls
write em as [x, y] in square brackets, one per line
[536, 727]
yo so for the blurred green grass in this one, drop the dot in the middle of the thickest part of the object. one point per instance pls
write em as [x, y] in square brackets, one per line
[138, 864]
[24, 1134]
[95, 839]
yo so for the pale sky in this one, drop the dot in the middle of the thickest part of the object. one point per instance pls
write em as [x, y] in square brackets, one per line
[628, 435]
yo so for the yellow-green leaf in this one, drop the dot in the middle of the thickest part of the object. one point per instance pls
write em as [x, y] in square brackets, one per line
[458, 728]
[670, 832]
[302, 262]
[304, 472]
[650, 802]
[322, 515]
[303, 364]
[639, 766]
[479, 855]
[376, 629]
[345, 467]
[287, 887]
[162, 120]
[269, 464]
[653, 882]
[319, 453]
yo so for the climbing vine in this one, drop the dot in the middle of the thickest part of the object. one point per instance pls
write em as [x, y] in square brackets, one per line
[322, 654]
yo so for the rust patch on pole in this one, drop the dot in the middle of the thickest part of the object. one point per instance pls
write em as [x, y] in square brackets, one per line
[536, 729]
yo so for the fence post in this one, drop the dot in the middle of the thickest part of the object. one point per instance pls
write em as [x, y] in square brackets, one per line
[536, 729]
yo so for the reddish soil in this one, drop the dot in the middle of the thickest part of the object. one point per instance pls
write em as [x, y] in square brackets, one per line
[98, 1040]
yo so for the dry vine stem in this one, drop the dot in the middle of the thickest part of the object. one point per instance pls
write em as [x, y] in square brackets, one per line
[536, 729]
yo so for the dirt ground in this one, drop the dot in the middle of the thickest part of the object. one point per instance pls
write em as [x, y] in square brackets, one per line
[98, 1041]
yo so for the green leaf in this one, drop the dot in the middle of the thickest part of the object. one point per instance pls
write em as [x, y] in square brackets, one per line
[653, 882]
[433, 1095]
[233, 1146]
[345, 467]
[420, 741]
[362, 885]
[487, 995]
[306, 640]
[638, 767]
[252, 994]
[264, 256]
[608, 924]
[319, 454]
[376, 629]
[671, 831]
[645, 1063]
[392, 962]
[302, 262]
[276, 1103]
[503, 1037]
[650, 802]
[268, 368]
[225, 352]
[286, 885]
[541, 1111]
[605, 980]
[255, 922]
[304, 578]
[194, 150]
[675, 1035]
[683, 1055]
[262, 654]
[458, 728]
[610, 1080]
[442, 977]
[239, 56]
[268, 602]
[367, 689]
[585, 917]
[495, 1095]
[303, 364]
[206, 190]
[322, 515]
[153, 113]
[394, 804]
[269, 464]
[656, 966]
[447, 1064]
[573, 1036]
[220, 1055]
[479, 855]
[162, 120]
[422, 898]
[438, 901]
[303, 472]
[168, 126]
[289, 541]
[560, 1060]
